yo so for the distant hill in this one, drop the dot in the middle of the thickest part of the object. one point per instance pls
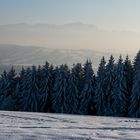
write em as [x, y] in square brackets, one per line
[29, 55]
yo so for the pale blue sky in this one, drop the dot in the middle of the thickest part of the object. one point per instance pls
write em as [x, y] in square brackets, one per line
[113, 14]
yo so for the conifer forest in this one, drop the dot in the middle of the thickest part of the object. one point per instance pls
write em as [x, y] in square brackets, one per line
[113, 91]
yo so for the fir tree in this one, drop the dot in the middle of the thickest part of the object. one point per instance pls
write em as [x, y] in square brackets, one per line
[20, 89]
[135, 97]
[3, 83]
[79, 75]
[16, 97]
[44, 76]
[8, 90]
[30, 91]
[51, 85]
[110, 79]
[59, 97]
[119, 97]
[87, 105]
[73, 92]
[42, 92]
[127, 82]
[11, 82]
[100, 90]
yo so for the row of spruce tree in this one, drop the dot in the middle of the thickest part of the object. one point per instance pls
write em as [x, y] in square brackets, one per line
[114, 91]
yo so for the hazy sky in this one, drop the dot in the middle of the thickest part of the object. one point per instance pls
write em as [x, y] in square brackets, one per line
[110, 14]
[118, 22]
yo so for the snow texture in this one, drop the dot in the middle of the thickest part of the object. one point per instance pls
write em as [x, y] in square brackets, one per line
[39, 126]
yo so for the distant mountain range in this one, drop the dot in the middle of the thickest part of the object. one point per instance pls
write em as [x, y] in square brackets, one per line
[29, 55]
[72, 35]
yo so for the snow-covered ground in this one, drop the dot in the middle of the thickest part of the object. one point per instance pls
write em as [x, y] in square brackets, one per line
[39, 126]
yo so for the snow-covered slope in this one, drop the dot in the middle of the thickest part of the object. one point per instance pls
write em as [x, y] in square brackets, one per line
[28, 55]
[39, 126]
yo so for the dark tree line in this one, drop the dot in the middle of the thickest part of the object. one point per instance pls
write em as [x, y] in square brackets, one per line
[114, 91]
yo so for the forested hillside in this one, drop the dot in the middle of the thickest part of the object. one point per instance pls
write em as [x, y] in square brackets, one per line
[114, 91]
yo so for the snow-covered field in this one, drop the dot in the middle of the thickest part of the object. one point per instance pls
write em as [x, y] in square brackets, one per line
[39, 126]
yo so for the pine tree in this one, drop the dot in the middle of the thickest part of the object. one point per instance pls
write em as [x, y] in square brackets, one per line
[127, 82]
[135, 97]
[87, 105]
[79, 75]
[11, 83]
[44, 76]
[59, 97]
[100, 90]
[42, 91]
[3, 83]
[20, 87]
[51, 85]
[30, 91]
[8, 90]
[16, 97]
[119, 97]
[1, 86]
[73, 92]
[110, 79]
